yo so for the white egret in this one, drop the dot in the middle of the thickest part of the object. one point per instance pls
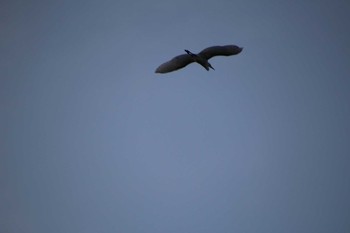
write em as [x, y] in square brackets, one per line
[201, 58]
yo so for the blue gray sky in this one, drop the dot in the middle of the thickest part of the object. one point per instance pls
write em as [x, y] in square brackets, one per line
[92, 140]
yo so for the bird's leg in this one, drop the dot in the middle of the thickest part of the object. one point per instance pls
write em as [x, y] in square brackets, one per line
[210, 66]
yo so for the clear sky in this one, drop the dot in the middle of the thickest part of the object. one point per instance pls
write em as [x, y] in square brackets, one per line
[92, 140]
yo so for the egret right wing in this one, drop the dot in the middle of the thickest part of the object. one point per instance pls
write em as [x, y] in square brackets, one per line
[226, 50]
[176, 63]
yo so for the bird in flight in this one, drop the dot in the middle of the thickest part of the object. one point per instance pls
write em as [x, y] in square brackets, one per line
[201, 58]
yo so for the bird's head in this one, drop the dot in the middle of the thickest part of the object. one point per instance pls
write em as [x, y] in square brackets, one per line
[189, 53]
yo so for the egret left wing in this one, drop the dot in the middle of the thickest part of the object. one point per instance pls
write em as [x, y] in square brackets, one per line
[176, 63]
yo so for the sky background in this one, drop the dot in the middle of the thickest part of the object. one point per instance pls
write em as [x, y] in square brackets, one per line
[92, 140]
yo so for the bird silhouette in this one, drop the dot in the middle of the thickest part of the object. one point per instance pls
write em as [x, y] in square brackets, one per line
[201, 58]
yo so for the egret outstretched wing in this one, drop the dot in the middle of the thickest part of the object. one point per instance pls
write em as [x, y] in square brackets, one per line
[226, 50]
[176, 63]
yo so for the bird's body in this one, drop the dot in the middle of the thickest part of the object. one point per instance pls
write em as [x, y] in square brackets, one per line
[201, 58]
